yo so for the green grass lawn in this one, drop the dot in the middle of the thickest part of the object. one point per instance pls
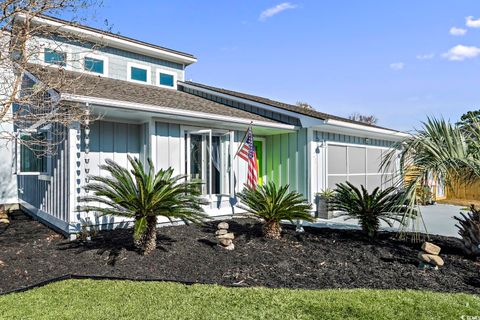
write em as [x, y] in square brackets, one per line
[89, 299]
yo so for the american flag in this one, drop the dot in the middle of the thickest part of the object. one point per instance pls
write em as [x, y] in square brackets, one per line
[247, 153]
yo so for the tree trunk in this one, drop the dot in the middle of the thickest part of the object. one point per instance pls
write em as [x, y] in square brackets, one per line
[150, 239]
[272, 229]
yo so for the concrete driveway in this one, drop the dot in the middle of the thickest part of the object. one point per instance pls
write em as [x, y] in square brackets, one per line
[438, 220]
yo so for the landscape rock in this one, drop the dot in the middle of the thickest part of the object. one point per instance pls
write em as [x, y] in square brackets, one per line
[225, 242]
[431, 259]
[222, 225]
[431, 248]
[230, 247]
[3, 215]
[229, 236]
[5, 221]
[221, 232]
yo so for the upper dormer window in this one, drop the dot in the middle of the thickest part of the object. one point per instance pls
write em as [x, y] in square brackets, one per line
[166, 78]
[55, 57]
[94, 65]
[138, 72]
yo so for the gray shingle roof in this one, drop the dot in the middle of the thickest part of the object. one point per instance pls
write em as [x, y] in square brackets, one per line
[101, 87]
[285, 106]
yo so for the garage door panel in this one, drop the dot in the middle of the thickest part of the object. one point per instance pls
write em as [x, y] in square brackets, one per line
[356, 160]
[333, 180]
[373, 181]
[357, 181]
[337, 160]
[374, 159]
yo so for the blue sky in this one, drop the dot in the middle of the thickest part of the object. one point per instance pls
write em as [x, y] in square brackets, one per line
[398, 59]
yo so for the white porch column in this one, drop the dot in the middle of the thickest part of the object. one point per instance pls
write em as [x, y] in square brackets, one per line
[74, 170]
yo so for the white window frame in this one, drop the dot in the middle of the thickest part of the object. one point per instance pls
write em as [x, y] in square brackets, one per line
[66, 50]
[43, 175]
[139, 66]
[97, 56]
[185, 156]
[172, 73]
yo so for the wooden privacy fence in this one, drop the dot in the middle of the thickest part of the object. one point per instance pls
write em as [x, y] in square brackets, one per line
[462, 191]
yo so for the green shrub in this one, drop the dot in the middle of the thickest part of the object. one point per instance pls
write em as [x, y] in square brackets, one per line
[274, 204]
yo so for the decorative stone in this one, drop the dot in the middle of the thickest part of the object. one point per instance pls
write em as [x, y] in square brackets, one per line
[431, 259]
[6, 221]
[229, 236]
[222, 225]
[427, 266]
[221, 232]
[230, 247]
[430, 248]
[3, 215]
[225, 242]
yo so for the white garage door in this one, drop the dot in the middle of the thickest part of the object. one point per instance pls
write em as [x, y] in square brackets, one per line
[359, 165]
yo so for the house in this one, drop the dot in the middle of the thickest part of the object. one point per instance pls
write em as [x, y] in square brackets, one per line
[149, 110]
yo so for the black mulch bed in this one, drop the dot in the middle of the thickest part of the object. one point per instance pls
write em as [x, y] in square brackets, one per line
[317, 259]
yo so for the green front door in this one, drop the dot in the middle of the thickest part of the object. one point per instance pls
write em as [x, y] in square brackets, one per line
[258, 144]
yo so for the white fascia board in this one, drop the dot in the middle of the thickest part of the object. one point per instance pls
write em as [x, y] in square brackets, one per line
[116, 42]
[176, 112]
[344, 127]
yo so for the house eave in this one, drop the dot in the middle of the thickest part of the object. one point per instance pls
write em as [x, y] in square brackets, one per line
[179, 113]
[115, 42]
[343, 127]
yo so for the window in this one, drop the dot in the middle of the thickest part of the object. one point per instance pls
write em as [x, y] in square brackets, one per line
[139, 74]
[208, 158]
[93, 65]
[32, 157]
[166, 78]
[55, 57]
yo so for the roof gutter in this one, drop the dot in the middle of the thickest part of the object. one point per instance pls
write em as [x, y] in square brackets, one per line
[175, 112]
[367, 130]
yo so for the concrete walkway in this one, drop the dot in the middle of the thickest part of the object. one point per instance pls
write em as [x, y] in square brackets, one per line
[438, 220]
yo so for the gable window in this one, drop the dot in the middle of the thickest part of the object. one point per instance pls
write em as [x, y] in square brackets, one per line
[138, 72]
[32, 156]
[209, 158]
[94, 65]
[166, 79]
[55, 57]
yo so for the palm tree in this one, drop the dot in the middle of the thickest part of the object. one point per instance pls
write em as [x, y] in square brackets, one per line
[440, 150]
[144, 195]
[369, 208]
[274, 204]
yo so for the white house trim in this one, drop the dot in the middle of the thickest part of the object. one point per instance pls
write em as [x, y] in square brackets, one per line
[115, 42]
[177, 112]
[93, 55]
[139, 66]
[164, 71]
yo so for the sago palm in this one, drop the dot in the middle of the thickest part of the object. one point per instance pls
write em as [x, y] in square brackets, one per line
[441, 151]
[274, 204]
[143, 195]
[369, 208]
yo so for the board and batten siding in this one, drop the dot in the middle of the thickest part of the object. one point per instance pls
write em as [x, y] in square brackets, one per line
[286, 160]
[108, 140]
[168, 147]
[47, 195]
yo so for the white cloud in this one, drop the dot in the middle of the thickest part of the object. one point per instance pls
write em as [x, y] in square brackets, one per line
[426, 56]
[454, 31]
[472, 23]
[460, 53]
[270, 12]
[397, 66]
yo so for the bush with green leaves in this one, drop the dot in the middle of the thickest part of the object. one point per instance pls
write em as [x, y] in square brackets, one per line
[143, 195]
[273, 204]
[469, 229]
[369, 208]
